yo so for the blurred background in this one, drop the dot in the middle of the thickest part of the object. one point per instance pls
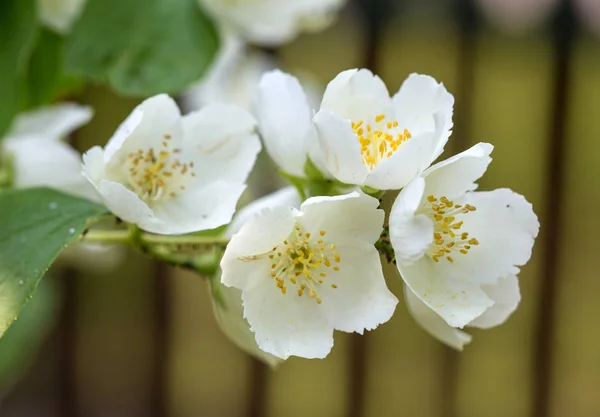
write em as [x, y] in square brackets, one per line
[140, 340]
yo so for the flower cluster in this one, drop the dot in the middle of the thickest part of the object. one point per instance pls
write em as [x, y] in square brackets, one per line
[307, 260]
[306, 271]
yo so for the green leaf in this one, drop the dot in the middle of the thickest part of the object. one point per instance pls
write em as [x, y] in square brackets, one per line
[36, 224]
[21, 343]
[17, 38]
[45, 76]
[142, 47]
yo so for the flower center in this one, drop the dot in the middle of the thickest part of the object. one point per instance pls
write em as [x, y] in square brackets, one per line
[379, 141]
[154, 175]
[447, 236]
[304, 262]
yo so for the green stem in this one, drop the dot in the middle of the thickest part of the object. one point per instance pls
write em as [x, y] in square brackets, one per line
[126, 237]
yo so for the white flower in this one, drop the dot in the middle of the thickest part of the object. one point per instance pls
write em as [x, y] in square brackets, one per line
[59, 15]
[305, 273]
[39, 158]
[171, 174]
[285, 121]
[232, 78]
[455, 247]
[228, 306]
[273, 22]
[368, 138]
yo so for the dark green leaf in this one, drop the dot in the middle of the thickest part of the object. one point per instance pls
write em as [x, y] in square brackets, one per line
[35, 225]
[20, 344]
[45, 69]
[142, 47]
[17, 38]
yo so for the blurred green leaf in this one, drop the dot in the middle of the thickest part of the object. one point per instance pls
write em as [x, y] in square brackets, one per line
[142, 47]
[17, 39]
[35, 225]
[45, 69]
[21, 343]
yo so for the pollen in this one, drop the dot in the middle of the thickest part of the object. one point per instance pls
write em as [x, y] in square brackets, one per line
[380, 140]
[448, 237]
[304, 262]
[156, 174]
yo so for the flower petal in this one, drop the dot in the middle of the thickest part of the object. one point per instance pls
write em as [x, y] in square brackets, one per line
[340, 148]
[93, 165]
[434, 324]
[410, 160]
[411, 234]
[357, 94]
[287, 325]
[361, 300]
[456, 300]
[287, 196]
[145, 127]
[124, 203]
[419, 98]
[505, 226]
[223, 141]
[39, 162]
[271, 23]
[284, 117]
[350, 216]
[457, 175]
[230, 316]
[506, 296]
[242, 265]
[202, 208]
[54, 122]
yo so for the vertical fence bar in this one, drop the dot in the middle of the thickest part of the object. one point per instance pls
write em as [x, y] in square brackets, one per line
[563, 33]
[67, 329]
[162, 338]
[258, 389]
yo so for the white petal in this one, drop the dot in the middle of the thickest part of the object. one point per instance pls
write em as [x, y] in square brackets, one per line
[145, 127]
[232, 77]
[506, 296]
[434, 324]
[284, 118]
[350, 216]
[124, 203]
[419, 98]
[202, 208]
[230, 316]
[39, 162]
[457, 175]
[505, 226]
[361, 300]
[456, 300]
[222, 140]
[241, 264]
[55, 122]
[287, 325]
[59, 15]
[93, 165]
[287, 196]
[271, 23]
[357, 95]
[410, 160]
[340, 148]
[411, 234]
